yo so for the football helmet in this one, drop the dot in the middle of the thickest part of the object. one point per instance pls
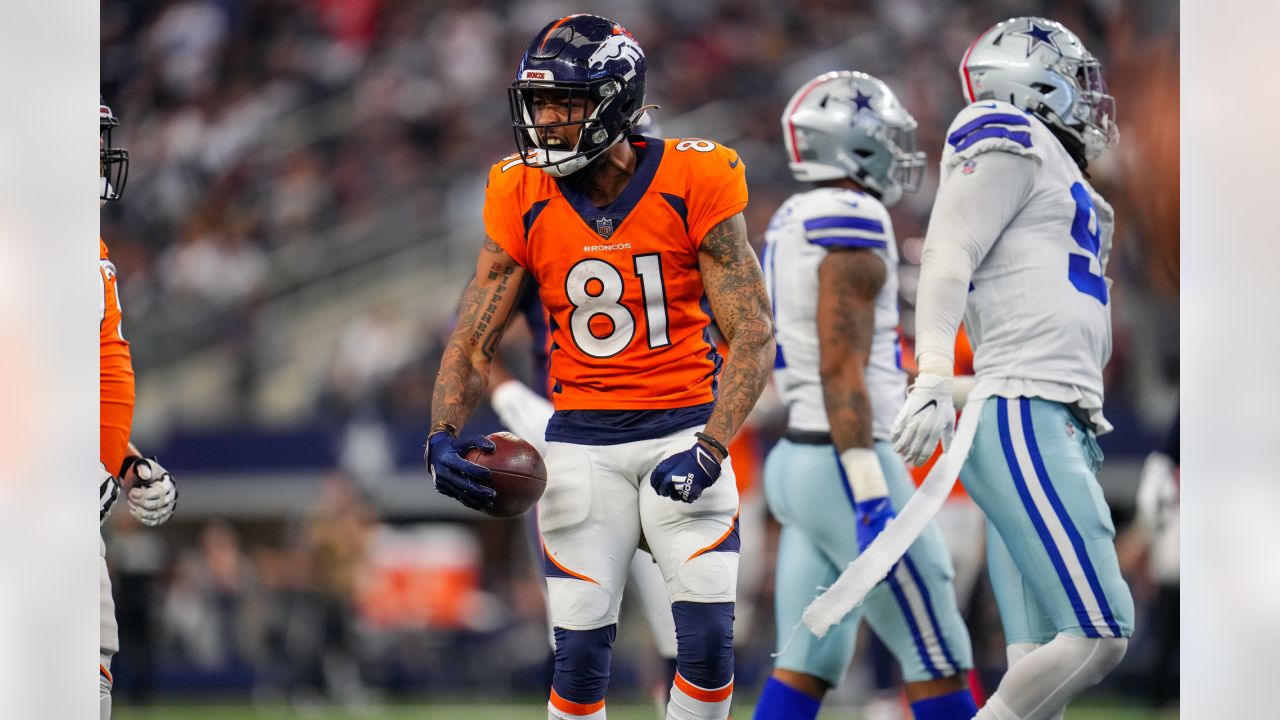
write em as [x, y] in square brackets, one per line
[1042, 67]
[113, 162]
[598, 68]
[850, 124]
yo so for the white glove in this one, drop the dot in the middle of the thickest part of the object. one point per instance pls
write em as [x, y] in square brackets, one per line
[152, 493]
[927, 416]
[108, 493]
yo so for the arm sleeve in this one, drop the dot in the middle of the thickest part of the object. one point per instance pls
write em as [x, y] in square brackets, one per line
[718, 189]
[115, 381]
[971, 211]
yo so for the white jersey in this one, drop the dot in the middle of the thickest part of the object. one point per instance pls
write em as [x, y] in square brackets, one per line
[1038, 310]
[800, 234]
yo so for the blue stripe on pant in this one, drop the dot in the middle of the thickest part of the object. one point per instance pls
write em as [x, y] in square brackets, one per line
[1032, 472]
[915, 612]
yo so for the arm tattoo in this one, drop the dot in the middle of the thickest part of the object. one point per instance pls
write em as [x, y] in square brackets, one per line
[848, 282]
[482, 315]
[735, 286]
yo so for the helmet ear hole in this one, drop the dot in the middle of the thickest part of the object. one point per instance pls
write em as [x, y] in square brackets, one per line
[863, 153]
[1043, 88]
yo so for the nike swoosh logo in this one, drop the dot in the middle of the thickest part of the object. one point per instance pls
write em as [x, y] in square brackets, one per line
[933, 403]
[992, 105]
[735, 162]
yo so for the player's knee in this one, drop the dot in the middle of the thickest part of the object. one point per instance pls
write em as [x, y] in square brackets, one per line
[580, 604]
[1097, 657]
[704, 642]
[582, 663]
[710, 577]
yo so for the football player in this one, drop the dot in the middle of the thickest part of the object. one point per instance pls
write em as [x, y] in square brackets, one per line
[1018, 244]
[833, 480]
[152, 494]
[633, 244]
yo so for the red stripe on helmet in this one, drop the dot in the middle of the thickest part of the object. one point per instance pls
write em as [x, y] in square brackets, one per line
[552, 29]
[791, 128]
[964, 68]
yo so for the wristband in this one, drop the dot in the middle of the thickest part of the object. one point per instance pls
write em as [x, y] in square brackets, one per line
[863, 473]
[714, 443]
[444, 426]
[935, 363]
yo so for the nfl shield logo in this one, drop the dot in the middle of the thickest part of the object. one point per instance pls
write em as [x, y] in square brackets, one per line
[604, 226]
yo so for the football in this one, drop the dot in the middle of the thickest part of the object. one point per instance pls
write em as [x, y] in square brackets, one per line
[519, 475]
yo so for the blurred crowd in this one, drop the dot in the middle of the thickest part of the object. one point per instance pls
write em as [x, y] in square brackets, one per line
[271, 139]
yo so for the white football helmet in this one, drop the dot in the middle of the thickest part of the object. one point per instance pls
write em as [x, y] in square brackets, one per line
[1041, 66]
[850, 124]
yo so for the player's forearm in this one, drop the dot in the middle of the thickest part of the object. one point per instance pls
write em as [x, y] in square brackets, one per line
[734, 283]
[848, 407]
[459, 386]
[940, 302]
[746, 371]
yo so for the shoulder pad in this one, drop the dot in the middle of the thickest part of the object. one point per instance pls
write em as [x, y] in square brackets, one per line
[843, 218]
[703, 156]
[990, 126]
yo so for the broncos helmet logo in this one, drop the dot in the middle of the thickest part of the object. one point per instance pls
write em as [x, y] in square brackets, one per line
[617, 47]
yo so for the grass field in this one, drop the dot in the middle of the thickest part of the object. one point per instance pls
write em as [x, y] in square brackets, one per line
[527, 711]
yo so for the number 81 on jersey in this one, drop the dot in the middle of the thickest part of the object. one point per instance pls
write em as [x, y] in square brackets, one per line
[595, 288]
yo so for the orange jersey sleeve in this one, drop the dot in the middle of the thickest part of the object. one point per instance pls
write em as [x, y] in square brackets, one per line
[115, 368]
[717, 184]
[621, 284]
[505, 206]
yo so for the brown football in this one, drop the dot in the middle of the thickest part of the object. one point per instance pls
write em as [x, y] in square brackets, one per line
[519, 475]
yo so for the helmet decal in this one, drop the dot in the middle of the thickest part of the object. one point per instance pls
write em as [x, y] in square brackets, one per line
[1037, 36]
[617, 47]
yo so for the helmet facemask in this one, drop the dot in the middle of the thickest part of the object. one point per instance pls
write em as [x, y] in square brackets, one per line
[585, 102]
[907, 168]
[113, 162]
[1094, 109]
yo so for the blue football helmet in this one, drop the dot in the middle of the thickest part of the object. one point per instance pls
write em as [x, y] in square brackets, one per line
[599, 67]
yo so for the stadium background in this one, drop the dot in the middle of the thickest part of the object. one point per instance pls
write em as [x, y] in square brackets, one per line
[302, 211]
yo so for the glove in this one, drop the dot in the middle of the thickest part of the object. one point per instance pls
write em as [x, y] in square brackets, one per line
[153, 496]
[927, 416]
[685, 475]
[871, 508]
[455, 477]
[108, 493]
[872, 517]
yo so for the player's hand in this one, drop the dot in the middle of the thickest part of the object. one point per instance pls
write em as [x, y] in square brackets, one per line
[153, 496]
[108, 493]
[872, 517]
[926, 417]
[685, 475]
[456, 477]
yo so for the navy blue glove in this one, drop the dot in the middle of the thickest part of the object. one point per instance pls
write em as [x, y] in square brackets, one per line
[685, 475]
[872, 516]
[455, 477]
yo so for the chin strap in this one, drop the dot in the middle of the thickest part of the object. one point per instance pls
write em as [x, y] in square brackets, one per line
[1073, 145]
[635, 116]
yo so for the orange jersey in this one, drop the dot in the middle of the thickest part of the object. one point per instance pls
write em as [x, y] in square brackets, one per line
[621, 284]
[115, 368]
